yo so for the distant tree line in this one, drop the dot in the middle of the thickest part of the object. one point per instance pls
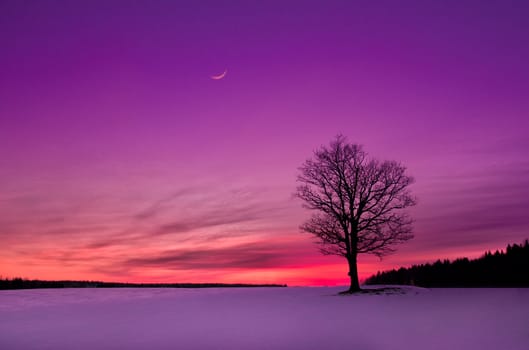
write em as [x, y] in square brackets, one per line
[22, 283]
[509, 268]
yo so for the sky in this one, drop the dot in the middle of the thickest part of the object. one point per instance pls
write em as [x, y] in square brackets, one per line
[122, 160]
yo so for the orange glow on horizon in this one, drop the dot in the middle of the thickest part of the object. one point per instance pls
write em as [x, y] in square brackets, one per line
[287, 260]
[331, 274]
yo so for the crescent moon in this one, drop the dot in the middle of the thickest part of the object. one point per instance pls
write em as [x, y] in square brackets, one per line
[220, 76]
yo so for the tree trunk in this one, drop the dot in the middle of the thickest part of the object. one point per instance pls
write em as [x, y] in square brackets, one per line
[353, 274]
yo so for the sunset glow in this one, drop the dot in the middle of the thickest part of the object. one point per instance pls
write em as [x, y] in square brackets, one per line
[125, 156]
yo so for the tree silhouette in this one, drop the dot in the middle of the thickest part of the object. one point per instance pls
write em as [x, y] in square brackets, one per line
[358, 203]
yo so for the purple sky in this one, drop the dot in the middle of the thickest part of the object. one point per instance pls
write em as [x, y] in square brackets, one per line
[122, 160]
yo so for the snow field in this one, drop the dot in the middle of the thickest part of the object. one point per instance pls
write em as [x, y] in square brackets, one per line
[264, 318]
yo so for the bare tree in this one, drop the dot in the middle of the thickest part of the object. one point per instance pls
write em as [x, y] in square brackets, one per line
[358, 203]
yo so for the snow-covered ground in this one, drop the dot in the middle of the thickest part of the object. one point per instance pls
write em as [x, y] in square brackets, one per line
[264, 318]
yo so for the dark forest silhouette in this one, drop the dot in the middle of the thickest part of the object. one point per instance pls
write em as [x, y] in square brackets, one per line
[509, 268]
[21, 283]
